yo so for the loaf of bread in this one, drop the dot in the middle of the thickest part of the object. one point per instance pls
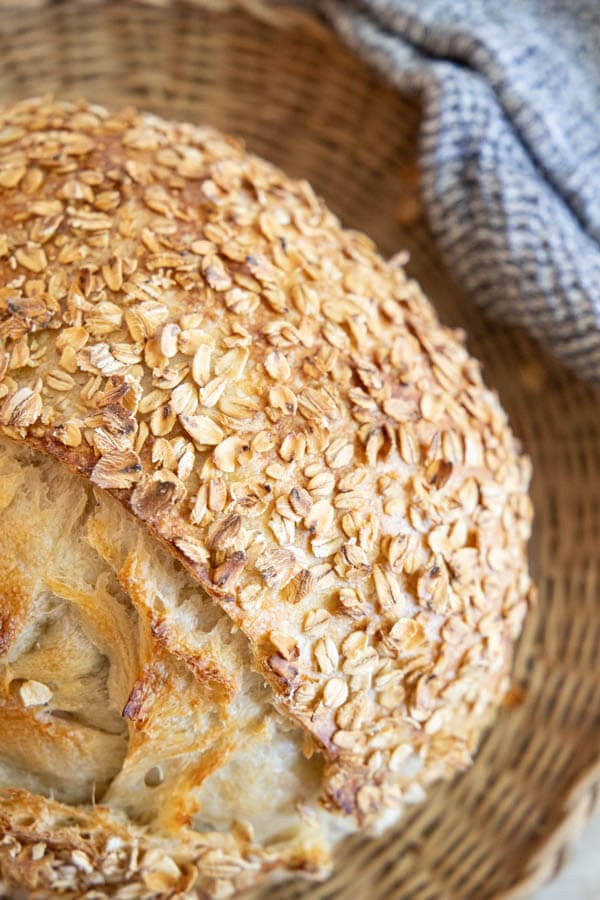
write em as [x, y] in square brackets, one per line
[262, 526]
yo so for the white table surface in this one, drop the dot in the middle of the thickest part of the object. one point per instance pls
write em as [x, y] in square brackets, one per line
[580, 879]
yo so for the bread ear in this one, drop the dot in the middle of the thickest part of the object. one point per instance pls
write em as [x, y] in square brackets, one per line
[286, 415]
[129, 699]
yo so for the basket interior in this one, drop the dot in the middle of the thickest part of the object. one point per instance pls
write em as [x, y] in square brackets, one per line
[303, 101]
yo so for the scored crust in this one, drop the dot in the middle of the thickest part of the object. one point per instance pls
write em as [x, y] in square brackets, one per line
[127, 695]
[195, 333]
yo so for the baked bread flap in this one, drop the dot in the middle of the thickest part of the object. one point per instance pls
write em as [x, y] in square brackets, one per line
[285, 597]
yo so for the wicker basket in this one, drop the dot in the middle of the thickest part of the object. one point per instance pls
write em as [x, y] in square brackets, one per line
[283, 82]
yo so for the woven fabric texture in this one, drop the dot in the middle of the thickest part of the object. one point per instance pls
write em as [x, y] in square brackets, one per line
[509, 152]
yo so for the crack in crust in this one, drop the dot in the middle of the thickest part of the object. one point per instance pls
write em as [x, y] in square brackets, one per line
[195, 333]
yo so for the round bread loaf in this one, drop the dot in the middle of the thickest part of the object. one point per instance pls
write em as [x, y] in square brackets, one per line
[262, 526]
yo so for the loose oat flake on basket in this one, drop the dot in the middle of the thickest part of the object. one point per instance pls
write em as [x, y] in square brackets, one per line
[283, 598]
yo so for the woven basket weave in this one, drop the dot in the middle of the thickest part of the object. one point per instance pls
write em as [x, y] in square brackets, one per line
[283, 82]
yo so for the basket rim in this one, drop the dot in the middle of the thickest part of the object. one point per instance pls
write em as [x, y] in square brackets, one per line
[280, 13]
[554, 851]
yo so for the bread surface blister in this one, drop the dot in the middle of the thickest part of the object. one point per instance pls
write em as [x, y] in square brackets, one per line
[284, 596]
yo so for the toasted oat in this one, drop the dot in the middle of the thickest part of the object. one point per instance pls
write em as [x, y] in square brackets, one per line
[335, 693]
[202, 429]
[34, 693]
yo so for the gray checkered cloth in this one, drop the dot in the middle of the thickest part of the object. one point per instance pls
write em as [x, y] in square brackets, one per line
[510, 149]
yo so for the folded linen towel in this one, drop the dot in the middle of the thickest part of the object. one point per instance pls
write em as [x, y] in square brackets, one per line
[509, 149]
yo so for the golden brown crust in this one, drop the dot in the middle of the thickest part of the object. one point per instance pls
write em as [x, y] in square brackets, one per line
[47, 846]
[196, 334]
